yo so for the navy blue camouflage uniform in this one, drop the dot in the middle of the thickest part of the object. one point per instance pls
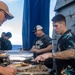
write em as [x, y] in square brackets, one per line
[66, 41]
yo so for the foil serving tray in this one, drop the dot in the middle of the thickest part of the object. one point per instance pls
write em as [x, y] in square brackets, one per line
[32, 73]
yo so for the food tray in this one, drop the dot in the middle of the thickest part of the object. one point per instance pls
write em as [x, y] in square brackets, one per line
[33, 70]
[32, 73]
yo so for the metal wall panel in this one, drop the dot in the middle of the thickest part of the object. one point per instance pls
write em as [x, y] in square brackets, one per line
[68, 10]
[62, 3]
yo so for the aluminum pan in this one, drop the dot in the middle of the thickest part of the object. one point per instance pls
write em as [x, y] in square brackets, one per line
[32, 73]
[16, 55]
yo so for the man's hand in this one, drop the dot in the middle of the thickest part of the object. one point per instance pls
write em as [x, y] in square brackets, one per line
[39, 58]
[33, 49]
[36, 50]
[43, 57]
[7, 71]
[12, 71]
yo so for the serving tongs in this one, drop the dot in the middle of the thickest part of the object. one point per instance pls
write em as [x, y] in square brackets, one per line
[30, 61]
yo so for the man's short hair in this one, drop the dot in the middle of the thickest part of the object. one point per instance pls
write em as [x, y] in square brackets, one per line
[58, 18]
